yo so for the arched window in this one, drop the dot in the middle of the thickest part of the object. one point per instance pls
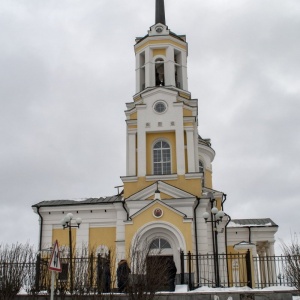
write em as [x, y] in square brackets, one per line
[201, 168]
[161, 158]
[160, 244]
[159, 72]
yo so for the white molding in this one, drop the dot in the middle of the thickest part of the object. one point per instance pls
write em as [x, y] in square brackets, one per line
[161, 177]
[163, 187]
[195, 175]
[129, 178]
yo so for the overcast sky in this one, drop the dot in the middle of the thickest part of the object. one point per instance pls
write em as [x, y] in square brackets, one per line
[67, 70]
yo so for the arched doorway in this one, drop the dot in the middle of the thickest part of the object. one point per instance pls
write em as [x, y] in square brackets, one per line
[164, 241]
[159, 260]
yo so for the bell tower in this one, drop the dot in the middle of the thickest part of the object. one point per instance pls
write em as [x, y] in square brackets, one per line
[162, 120]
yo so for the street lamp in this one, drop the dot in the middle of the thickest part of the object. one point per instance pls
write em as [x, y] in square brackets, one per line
[216, 217]
[66, 222]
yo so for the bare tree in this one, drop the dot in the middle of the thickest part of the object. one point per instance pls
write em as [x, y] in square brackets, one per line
[292, 268]
[149, 272]
[15, 263]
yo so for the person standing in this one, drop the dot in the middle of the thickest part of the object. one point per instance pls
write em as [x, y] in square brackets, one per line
[123, 272]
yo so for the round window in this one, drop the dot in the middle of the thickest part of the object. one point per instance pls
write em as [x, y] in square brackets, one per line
[157, 213]
[160, 107]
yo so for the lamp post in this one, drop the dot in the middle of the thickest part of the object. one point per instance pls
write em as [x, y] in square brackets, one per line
[216, 217]
[66, 222]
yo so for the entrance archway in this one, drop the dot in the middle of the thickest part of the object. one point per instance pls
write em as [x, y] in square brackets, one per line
[163, 232]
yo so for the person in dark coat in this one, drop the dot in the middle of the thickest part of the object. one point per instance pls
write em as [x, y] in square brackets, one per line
[123, 272]
[171, 274]
[106, 277]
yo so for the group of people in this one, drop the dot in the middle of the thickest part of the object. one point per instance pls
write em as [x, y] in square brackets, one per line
[123, 272]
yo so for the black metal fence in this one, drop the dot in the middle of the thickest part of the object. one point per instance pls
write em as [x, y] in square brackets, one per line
[89, 274]
[224, 270]
[233, 270]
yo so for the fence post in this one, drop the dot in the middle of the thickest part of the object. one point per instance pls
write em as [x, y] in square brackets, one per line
[249, 272]
[98, 271]
[182, 267]
[190, 269]
[37, 272]
[92, 270]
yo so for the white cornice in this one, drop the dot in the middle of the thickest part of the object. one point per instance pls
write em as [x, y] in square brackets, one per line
[207, 150]
[193, 175]
[129, 178]
[161, 177]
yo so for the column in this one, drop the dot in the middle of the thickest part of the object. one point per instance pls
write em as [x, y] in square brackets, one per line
[180, 151]
[190, 149]
[131, 152]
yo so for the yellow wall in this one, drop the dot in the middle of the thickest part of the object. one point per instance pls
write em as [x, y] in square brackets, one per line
[150, 138]
[188, 124]
[62, 236]
[208, 178]
[102, 236]
[132, 126]
[184, 95]
[192, 186]
[187, 113]
[168, 216]
[238, 264]
[133, 116]
[159, 52]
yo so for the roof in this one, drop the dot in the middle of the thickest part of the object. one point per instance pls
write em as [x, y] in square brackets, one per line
[85, 201]
[264, 222]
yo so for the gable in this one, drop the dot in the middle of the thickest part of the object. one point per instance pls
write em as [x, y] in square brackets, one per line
[167, 191]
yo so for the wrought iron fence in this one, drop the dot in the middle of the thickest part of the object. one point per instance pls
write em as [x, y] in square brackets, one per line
[224, 270]
[238, 270]
[90, 275]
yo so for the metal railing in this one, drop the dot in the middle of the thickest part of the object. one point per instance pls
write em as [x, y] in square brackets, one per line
[195, 270]
[235, 270]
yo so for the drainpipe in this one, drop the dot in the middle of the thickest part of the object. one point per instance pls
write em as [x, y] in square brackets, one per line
[223, 201]
[41, 227]
[127, 213]
[249, 228]
[196, 238]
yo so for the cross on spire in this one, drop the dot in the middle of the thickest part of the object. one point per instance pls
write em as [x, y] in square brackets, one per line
[160, 12]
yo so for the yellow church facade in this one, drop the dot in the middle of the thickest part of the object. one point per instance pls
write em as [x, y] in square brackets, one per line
[167, 193]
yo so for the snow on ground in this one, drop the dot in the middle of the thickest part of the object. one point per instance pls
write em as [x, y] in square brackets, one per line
[184, 289]
[241, 289]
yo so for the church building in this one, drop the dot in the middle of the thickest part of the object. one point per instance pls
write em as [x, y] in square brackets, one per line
[167, 196]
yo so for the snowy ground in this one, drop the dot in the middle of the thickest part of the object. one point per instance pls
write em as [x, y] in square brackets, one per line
[184, 289]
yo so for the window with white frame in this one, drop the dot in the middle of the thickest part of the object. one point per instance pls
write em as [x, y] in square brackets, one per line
[161, 158]
[160, 244]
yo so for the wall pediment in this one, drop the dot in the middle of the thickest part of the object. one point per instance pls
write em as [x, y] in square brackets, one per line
[169, 192]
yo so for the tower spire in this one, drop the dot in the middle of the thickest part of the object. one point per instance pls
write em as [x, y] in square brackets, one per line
[160, 12]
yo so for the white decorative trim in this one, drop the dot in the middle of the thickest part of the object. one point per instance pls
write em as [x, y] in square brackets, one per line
[161, 177]
[129, 178]
[189, 220]
[157, 216]
[157, 102]
[193, 175]
[161, 229]
[106, 223]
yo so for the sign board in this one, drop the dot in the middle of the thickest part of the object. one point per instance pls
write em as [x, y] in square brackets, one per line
[55, 264]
